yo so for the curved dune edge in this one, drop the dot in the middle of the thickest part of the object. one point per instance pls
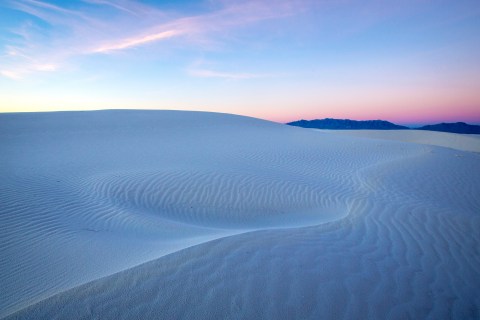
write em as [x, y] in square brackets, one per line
[106, 207]
[461, 142]
[313, 218]
[106, 284]
[290, 221]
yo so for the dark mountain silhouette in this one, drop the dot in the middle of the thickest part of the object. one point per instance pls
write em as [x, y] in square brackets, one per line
[457, 127]
[346, 124]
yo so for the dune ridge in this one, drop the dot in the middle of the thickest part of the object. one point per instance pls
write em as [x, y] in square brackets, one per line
[164, 214]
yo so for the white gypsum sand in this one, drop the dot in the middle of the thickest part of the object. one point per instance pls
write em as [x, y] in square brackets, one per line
[464, 142]
[169, 214]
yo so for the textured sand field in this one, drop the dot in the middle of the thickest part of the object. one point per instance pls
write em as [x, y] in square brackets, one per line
[169, 214]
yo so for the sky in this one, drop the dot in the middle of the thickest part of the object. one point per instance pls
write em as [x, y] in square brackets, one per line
[409, 62]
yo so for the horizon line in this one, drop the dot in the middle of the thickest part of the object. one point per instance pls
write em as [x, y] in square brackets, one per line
[404, 123]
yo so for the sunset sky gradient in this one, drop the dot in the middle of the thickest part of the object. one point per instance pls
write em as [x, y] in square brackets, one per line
[410, 62]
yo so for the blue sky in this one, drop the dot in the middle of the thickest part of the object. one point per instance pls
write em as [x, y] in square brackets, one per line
[407, 62]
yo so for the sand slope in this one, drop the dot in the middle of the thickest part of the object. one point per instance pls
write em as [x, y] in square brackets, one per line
[274, 221]
[464, 142]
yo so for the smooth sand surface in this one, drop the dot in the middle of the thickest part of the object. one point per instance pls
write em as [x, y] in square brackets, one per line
[170, 214]
[464, 142]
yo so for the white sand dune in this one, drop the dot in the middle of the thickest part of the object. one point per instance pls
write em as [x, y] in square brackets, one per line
[169, 214]
[464, 142]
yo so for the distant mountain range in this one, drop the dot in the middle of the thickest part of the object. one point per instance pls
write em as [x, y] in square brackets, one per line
[457, 127]
[346, 124]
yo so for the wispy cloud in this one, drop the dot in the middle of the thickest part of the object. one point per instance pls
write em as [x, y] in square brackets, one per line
[133, 42]
[106, 27]
[116, 5]
[205, 73]
[11, 74]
